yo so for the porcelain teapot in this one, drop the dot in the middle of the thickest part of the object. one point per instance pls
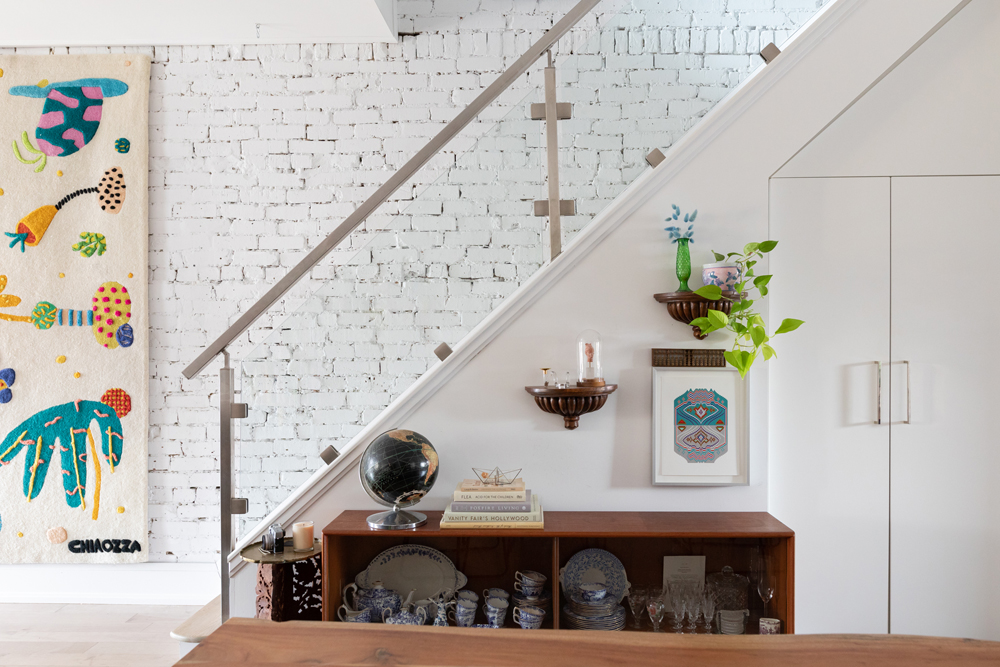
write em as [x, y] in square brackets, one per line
[379, 599]
[405, 616]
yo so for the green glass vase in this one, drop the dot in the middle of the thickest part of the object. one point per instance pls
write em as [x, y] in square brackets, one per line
[683, 264]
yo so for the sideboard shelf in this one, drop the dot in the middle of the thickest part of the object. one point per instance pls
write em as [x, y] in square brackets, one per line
[639, 539]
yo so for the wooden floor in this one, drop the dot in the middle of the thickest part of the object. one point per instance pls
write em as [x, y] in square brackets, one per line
[43, 635]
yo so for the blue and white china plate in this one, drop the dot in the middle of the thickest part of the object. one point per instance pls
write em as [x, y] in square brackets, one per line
[616, 613]
[615, 621]
[595, 566]
[597, 604]
[543, 600]
[409, 567]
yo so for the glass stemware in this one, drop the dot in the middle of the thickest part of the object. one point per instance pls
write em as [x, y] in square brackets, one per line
[656, 607]
[678, 603]
[693, 605]
[708, 611]
[637, 603]
[765, 582]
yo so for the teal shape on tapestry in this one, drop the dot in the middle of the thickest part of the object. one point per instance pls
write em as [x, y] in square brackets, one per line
[122, 145]
[109, 87]
[62, 429]
[71, 114]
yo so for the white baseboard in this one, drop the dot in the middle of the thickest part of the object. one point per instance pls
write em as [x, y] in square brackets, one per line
[140, 583]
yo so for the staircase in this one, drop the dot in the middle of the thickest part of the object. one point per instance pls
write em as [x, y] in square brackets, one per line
[457, 265]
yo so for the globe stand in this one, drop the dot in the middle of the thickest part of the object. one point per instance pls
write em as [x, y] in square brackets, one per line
[396, 519]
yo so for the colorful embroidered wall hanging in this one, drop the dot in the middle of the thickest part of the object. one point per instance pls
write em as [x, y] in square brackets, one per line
[700, 425]
[74, 319]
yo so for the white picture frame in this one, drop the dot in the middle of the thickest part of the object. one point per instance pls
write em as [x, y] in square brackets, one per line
[670, 468]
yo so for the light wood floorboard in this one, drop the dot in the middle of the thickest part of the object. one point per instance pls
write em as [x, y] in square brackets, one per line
[94, 635]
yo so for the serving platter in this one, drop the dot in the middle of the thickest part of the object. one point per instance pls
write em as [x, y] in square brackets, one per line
[594, 566]
[415, 567]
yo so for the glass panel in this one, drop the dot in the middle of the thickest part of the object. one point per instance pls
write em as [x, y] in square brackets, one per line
[429, 274]
[428, 267]
[643, 80]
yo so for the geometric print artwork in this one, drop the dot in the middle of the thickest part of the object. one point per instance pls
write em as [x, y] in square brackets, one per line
[700, 425]
[74, 308]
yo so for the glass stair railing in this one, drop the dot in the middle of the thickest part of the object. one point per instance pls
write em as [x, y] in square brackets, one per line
[410, 272]
[437, 268]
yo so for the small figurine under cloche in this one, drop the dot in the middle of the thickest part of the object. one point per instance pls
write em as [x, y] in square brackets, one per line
[588, 346]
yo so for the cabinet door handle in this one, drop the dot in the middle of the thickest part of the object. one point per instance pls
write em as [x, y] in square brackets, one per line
[878, 391]
[907, 364]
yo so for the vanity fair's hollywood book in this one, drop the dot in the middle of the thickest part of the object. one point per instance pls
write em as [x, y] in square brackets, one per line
[493, 520]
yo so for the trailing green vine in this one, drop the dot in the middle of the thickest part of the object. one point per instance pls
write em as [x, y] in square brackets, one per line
[747, 324]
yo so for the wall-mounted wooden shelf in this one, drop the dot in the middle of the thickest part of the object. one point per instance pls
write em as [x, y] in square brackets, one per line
[687, 306]
[571, 402]
[639, 539]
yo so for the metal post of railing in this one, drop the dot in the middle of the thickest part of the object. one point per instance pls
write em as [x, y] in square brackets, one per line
[552, 157]
[228, 411]
[552, 112]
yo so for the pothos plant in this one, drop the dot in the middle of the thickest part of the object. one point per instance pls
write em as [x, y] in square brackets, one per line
[745, 322]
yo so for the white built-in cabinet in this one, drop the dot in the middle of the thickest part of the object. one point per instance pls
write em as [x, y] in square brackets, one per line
[885, 406]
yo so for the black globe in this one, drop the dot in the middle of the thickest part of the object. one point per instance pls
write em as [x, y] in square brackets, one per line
[399, 468]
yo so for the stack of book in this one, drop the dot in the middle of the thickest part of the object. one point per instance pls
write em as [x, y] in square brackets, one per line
[479, 505]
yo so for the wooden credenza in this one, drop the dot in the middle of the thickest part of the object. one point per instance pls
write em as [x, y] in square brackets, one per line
[639, 539]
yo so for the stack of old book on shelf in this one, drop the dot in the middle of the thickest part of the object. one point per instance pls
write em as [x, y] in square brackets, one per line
[479, 505]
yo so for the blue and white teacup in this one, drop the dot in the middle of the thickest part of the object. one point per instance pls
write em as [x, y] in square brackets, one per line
[466, 594]
[465, 613]
[348, 615]
[724, 275]
[496, 611]
[496, 593]
[528, 617]
[529, 583]
[593, 592]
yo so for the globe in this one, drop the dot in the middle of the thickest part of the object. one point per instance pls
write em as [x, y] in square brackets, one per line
[399, 468]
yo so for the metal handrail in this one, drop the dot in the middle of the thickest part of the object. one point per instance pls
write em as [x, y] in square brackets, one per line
[387, 189]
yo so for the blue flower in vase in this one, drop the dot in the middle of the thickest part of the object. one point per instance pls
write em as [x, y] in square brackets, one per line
[6, 381]
[677, 233]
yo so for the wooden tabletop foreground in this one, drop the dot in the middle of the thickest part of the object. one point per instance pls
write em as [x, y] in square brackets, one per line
[244, 642]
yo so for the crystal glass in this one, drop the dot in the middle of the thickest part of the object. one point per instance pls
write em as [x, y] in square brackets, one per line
[678, 604]
[692, 606]
[730, 589]
[762, 573]
[708, 611]
[656, 607]
[637, 603]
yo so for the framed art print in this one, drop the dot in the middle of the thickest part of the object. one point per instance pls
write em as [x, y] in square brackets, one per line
[700, 434]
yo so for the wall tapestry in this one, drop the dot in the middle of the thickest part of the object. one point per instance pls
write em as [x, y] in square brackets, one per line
[74, 316]
[699, 427]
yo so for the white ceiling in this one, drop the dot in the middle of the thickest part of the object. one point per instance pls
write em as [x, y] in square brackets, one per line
[195, 22]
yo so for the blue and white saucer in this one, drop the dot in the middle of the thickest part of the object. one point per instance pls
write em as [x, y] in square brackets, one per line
[595, 566]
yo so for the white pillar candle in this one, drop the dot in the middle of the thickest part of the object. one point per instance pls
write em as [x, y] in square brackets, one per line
[302, 536]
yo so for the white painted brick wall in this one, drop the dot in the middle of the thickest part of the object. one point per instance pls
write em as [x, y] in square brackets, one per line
[257, 152]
